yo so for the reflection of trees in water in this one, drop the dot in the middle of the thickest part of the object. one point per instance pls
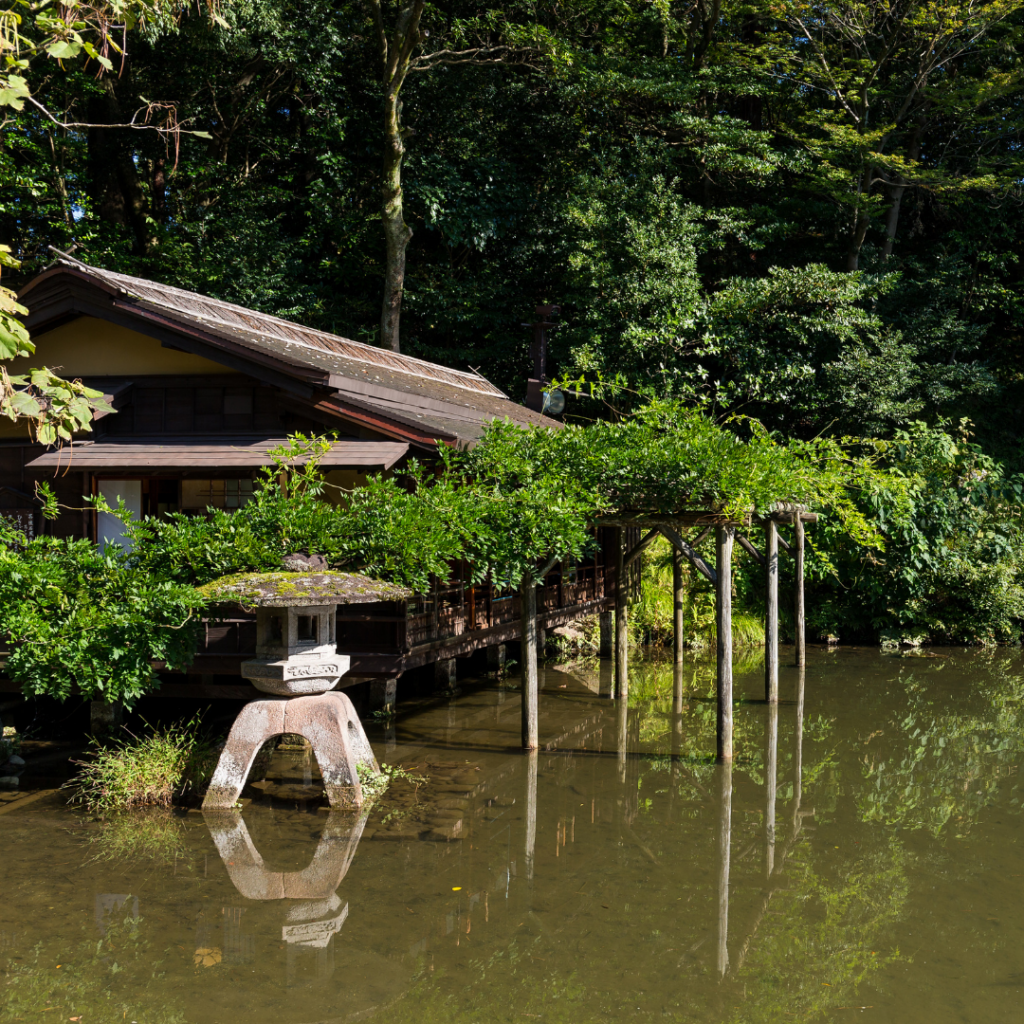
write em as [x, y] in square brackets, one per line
[939, 769]
[791, 935]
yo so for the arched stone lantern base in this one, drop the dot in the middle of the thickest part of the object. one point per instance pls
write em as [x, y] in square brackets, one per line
[327, 720]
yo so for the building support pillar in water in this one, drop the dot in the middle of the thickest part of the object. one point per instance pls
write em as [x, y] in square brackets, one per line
[105, 717]
[528, 595]
[724, 537]
[606, 634]
[798, 592]
[771, 621]
[383, 693]
[621, 638]
[444, 673]
[496, 659]
[677, 605]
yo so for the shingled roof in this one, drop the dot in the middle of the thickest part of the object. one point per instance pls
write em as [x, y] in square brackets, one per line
[422, 401]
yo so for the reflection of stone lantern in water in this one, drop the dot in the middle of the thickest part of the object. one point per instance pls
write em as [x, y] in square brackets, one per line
[316, 913]
[298, 665]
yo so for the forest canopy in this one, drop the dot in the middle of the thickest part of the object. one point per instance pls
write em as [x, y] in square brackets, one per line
[802, 215]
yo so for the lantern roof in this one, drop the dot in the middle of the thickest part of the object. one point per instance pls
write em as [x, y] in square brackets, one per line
[297, 589]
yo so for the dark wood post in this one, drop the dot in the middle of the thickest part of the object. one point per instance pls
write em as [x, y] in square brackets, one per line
[528, 596]
[677, 605]
[724, 838]
[723, 626]
[621, 638]
[771, 621]
[798, 591]
[770, 786]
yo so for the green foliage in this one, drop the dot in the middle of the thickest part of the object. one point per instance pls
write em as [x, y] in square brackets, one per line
[86, 622]
[376, 784]
[651, 611]
[139, 772]
[952, 569]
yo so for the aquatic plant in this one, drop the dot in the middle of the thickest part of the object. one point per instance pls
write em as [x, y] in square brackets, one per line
[375, 785]
[121, 775]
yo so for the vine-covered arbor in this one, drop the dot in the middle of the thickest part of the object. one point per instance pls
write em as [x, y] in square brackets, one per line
[728, 532]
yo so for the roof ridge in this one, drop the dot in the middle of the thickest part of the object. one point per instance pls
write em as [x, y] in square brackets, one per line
[369, 354]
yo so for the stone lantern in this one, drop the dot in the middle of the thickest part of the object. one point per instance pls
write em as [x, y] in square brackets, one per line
[298, 666]
[296, 650]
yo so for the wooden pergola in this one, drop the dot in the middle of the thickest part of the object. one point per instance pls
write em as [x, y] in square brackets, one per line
[728, 532]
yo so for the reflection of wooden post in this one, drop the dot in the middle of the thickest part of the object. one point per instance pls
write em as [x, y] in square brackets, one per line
[771, 621]
[723, 624]
[531, 812]
[621, 640]
[531, 730]
[677, 713]
[772, 768]
[622, 721]
[677, 605]
[798, 755]
[798, 591]
[724, 836]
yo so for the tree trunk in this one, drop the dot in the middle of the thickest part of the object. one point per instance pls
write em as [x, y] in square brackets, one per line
[899, 186]
[396, 58]
[397, 234]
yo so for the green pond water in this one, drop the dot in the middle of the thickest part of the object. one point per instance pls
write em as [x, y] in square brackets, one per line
[862, 859]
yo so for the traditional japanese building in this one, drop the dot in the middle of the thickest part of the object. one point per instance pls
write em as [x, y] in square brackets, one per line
[202, 389]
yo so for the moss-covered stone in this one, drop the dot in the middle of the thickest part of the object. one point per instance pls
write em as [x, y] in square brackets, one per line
[291, 589]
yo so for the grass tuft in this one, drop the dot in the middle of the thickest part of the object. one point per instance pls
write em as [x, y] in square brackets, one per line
[148, 771]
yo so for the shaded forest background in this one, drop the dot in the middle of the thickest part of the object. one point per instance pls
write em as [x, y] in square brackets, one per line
[810, 214]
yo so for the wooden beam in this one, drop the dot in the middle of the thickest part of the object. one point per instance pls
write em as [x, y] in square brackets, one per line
[621, 634]
[637, 549]
[798, 595]
[771, 622]
[724, 536]
[698, 563]
[675, 519]
[749, 547]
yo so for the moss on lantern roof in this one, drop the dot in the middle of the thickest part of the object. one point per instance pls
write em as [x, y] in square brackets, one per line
[292, 589]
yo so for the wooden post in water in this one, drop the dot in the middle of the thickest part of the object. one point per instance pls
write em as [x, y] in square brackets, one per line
[798, 591]
[724, 838]
[770, 786]
[677, 605]
[531, 731]
[724, 536]
[621, 638]
[771, 613]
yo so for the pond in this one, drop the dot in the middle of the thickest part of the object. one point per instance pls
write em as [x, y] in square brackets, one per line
[862, 856]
